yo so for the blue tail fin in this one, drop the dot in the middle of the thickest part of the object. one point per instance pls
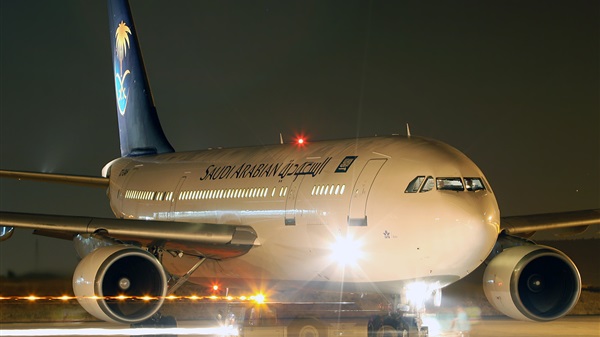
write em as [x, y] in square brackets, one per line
[140, 132]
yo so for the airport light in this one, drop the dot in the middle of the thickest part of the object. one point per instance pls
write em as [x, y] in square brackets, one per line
[258, 298]
[32, 298]
[66, 298]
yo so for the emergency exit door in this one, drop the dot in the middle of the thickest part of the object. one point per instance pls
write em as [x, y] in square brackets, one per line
[357, 215]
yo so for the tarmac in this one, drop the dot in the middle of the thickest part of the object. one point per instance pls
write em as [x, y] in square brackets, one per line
[588, 326]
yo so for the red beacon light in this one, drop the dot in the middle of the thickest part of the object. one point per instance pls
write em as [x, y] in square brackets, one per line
[301, 141]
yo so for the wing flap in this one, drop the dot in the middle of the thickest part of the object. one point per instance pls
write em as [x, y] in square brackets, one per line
[575, 222]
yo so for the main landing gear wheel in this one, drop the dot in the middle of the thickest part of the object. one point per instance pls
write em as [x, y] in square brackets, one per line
[387, 331]
[306, 328]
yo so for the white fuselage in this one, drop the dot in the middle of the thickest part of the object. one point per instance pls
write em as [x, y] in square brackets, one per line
[332, 211]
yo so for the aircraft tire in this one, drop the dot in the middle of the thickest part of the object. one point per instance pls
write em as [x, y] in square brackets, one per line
[387, 331]
[306, 328]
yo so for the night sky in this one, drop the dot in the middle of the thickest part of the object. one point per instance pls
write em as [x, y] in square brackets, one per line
[512, 84]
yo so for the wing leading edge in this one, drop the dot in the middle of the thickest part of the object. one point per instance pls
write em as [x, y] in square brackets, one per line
[216, 241]
[57, 178]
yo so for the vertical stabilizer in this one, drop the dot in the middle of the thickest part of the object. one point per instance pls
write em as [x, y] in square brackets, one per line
[140, 131]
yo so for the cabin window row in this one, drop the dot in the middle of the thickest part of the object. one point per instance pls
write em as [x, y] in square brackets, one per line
[149, 195]
[328, 189]
[234, 193]
[425, 184]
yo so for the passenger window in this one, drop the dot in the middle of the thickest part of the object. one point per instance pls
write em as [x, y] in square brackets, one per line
[474, 184]
[428, 185]
[449, 184]
[413, 186]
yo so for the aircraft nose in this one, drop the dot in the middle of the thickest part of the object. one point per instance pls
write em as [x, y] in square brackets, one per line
[481, 223]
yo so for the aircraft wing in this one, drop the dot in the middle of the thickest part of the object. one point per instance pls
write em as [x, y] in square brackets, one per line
[569, 223]
[201, 239]
[57, 178]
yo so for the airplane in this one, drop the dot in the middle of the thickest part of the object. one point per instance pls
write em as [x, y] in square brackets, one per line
[396, 214]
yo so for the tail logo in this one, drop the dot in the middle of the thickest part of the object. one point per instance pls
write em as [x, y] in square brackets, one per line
[122, 44]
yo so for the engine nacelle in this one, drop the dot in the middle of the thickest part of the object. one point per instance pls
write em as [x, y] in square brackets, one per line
[120, 270]
[535, 283]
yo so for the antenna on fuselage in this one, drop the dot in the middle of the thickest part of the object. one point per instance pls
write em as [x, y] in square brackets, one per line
[407, 130]
[280, 139]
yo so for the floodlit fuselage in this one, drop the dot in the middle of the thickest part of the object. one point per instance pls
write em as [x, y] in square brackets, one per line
[371, 211]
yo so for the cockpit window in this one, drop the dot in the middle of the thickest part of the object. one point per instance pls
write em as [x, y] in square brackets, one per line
[428, 185]
[413, 186]
[422, 184]
[474, 184]
[449, 184]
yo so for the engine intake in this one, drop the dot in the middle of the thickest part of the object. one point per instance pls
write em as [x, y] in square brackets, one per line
[120, 271]
[535, 283]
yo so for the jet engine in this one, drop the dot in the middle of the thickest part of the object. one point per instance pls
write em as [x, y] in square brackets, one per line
[535, 283]
[120, 283]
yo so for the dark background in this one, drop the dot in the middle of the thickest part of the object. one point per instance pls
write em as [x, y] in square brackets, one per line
[512, 84]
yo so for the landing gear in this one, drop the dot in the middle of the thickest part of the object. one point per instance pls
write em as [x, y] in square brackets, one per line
[185, 277]
[395, 324]
[157, 321]
[307, 327]
[398, 322]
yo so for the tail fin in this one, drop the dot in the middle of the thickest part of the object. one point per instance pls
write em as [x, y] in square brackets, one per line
[140, 131]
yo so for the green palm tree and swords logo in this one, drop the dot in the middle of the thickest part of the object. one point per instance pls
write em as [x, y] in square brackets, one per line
[121, 46]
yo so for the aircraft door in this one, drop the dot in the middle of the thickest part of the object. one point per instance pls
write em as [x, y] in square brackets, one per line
[290, 202]
[357, 215]
[121, 200]
[175, 196]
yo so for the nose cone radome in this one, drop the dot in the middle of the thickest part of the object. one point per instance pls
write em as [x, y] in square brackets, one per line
[478, 225]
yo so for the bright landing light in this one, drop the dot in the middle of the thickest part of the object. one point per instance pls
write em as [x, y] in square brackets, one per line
[346, 250]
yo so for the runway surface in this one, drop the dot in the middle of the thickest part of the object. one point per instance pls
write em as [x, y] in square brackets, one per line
[588, 326]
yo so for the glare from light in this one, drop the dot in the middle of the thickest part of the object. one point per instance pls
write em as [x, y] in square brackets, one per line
[258, 298]
[416, 293]
[146, 298]
[300, 140]
[346, 251]
[433, 325]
